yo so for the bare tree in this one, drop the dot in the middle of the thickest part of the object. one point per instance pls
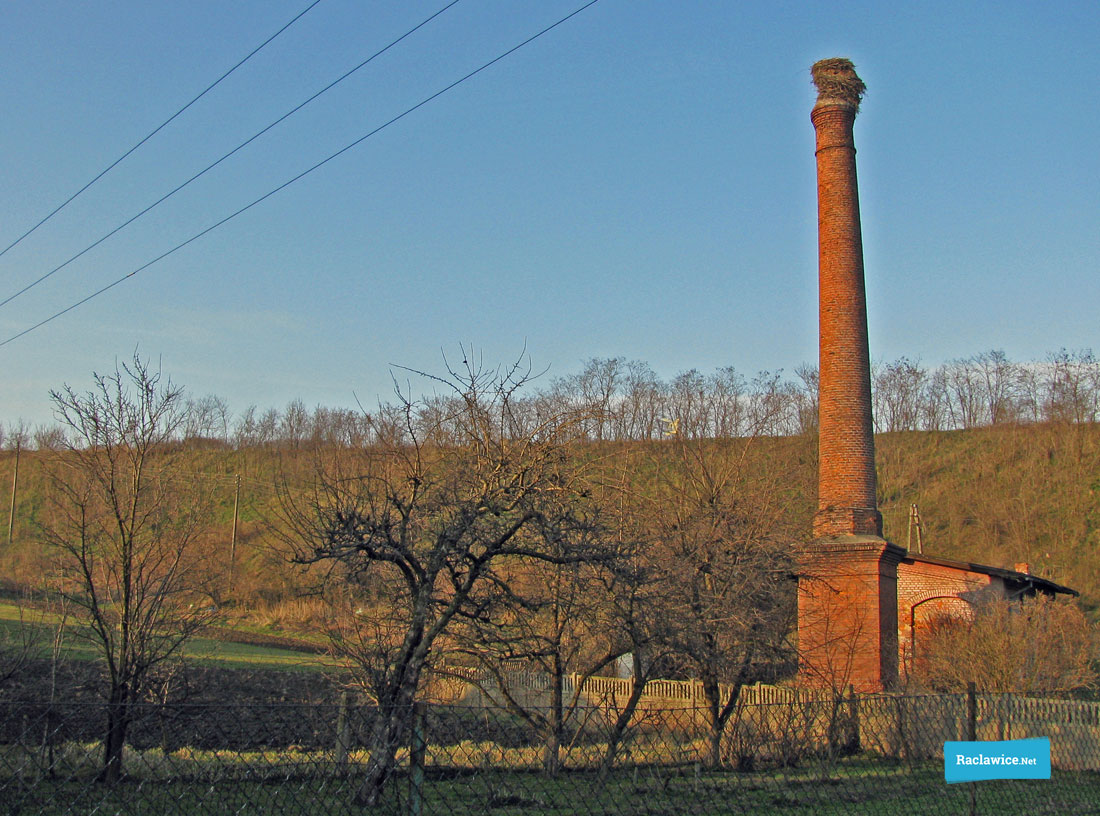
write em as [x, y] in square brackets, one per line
[637, 613]
[267, 427]
[807, 397]
[981, 390]
[550, 617]
[963, 391]
[934, 409]
[1072, 387]
[688, 403]
[294, 428]
[49, 438]
[17, 438]
[431, 518]
[899, 395]
[1000, 384]
[18, 643]
[640, 411]
[772, 407]
[246, 431]
[720, 543]
[124, 528]
[207, 418]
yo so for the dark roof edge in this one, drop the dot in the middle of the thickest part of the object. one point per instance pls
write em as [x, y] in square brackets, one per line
[1007, 574]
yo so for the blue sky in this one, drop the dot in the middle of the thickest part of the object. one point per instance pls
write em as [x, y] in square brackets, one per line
[639, 182]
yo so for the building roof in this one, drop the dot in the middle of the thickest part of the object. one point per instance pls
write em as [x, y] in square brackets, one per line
[1025, 580]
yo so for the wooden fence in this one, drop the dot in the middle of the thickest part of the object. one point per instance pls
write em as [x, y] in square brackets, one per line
[906, 727]
[460, 685]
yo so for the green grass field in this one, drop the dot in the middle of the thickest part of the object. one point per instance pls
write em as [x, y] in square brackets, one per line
[866, 787]
[41, 627]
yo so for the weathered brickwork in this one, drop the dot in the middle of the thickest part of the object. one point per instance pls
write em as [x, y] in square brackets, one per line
[846, 479]
[927, 591]
[847, 613]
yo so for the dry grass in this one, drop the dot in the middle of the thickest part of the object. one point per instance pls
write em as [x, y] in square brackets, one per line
[292, 615]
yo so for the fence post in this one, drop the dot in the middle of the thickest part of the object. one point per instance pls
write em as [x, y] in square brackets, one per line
[853, 746]
[971, 712]
[972, 734]
[343, 729]
[416, 761]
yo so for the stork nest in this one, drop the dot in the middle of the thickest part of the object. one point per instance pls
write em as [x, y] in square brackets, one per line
[836, 80]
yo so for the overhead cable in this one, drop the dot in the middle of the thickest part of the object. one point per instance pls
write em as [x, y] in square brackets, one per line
[159, 127]
[300, 176]
[214, 164]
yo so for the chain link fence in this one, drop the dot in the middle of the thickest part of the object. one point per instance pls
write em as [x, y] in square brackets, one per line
[878, 754]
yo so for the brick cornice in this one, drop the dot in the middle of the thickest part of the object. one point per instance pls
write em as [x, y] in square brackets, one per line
[851, 548]
[833, 123]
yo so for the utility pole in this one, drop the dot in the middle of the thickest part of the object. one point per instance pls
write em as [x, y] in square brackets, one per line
[914, 524]
[233, 540]
[14, 485]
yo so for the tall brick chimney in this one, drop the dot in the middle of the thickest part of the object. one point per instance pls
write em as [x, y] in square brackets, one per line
[847, 606]
[846, 501]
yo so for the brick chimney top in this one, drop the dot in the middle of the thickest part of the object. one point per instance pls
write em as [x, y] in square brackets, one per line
[837, 83]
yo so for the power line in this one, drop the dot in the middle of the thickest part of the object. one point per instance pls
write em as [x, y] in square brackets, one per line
[301, 175]
[158, 128]
[210, 167]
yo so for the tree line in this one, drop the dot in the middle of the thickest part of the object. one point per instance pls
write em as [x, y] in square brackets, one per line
[627, 401]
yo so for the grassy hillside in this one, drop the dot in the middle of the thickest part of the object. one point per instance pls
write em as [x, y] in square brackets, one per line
[1000, 496]
[997, 495]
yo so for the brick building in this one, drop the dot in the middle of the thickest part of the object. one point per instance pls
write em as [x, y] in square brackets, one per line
[931, 588]
[862, 600]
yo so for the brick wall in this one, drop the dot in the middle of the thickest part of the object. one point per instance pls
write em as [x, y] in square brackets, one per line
[927, 590]
[847, 613]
